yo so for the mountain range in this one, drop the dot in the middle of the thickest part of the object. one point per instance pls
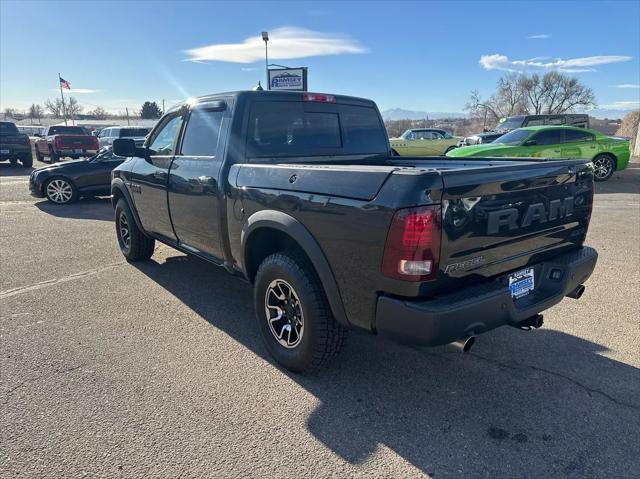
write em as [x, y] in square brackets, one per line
[402, 114]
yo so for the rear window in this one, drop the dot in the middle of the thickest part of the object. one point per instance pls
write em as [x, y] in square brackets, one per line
[8, 128]
[313, 129]
[133, 132]
[66, 130]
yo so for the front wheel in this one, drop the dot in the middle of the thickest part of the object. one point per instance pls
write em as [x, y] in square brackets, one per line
[60, 191]
[293, 314]
[604, 166]
[134, 244]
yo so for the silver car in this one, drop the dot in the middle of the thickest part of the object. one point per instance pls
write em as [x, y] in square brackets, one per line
[136, 133]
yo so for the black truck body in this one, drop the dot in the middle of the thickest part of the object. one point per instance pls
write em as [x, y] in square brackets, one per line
[423, 250]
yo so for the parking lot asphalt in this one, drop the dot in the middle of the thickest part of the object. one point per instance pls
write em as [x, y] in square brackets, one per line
[109, 369]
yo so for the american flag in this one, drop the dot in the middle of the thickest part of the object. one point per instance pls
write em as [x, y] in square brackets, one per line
[65, 84]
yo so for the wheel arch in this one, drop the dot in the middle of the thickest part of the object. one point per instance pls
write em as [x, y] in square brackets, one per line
[269, 231]
[119, 191]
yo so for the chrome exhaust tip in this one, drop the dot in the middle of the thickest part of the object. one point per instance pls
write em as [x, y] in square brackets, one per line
[464, 345]
[576, 293]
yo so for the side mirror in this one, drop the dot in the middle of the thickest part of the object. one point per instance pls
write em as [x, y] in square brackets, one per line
[530, 143]
[124, 147]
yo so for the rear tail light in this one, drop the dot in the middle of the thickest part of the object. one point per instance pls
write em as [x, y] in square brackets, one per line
[319, 98]
[57, 142]
[412, 250]
[94, 142]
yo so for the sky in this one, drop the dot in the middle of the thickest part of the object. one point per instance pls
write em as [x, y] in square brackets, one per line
[425, 56]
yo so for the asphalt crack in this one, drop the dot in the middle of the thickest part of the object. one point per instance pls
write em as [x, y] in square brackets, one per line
[37, 378]
[52, 282]
[587, 389]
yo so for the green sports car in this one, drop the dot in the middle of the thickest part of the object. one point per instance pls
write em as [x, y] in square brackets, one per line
[608, 153]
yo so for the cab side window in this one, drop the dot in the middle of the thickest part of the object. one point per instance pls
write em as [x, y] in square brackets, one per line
[202, 133]
[164, 139]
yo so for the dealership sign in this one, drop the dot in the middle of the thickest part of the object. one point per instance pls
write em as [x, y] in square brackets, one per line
[292, 79]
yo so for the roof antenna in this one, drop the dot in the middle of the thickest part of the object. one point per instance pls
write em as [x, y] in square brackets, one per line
[258, 87]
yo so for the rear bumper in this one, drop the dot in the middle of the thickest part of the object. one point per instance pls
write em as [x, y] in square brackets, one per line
[480, 308]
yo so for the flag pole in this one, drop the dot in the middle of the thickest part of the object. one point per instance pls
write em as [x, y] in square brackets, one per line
[64, 110]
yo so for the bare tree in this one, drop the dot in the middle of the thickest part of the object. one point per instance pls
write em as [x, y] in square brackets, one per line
[73, 107]
[10, 112]
[516, 94]
[55, 107]
[36, 111]
[99, 113]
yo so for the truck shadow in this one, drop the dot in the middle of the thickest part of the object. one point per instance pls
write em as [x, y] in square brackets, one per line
[96, 208]
[521, 404]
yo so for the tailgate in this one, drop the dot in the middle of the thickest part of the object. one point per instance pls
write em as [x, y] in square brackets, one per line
[76, 141]
[501, 218]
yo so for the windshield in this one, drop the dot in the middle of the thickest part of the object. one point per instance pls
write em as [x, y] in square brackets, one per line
[66, 130]
[514, 137]
[510, 123]
[133, 132]
[8, 128]
[104, 155]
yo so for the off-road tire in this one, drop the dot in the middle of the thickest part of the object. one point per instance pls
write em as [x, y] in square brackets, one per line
[138, 246]
[322, 336]
[27, 161]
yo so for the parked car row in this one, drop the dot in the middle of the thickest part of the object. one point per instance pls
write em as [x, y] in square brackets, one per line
[553, 136]
[59, 141]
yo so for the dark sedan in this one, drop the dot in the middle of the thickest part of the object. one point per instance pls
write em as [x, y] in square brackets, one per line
[65, 182]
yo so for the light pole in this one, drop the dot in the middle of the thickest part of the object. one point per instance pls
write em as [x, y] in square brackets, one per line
[265, 37]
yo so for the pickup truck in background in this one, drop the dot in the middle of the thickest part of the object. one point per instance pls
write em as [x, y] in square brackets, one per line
[61, 141]
[14, 145]
[299, 194]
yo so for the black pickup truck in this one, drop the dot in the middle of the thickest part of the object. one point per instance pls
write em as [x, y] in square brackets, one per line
[299, 194]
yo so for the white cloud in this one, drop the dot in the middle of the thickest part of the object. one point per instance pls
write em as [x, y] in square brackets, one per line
[77, 90]
[248, 69]
[539, 36]
[628, 85]
[622, 105]
[571, 65]
[284, 43]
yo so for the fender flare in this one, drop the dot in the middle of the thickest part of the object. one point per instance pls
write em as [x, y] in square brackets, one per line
[301, 235]
[119, 185]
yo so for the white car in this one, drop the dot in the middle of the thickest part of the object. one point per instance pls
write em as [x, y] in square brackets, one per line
[136, 133]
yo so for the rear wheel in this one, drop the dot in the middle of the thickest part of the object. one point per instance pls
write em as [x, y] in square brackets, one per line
[134, 244]
[13, 161]
[293, 314]
[604, 166]
[27, 161]
[39, 157]
[60, 191]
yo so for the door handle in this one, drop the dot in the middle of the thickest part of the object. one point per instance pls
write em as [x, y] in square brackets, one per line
[160, 174]
[556, 151]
